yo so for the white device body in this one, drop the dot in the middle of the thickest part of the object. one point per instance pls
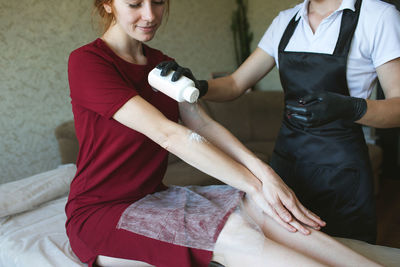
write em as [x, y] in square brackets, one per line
[181, 90]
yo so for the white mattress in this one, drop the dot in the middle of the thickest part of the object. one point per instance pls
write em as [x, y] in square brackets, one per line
[36, 237]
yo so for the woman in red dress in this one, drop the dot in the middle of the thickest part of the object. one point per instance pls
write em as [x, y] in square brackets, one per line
[119, 212]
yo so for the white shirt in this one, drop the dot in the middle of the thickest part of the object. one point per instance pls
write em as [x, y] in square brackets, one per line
[375, 41]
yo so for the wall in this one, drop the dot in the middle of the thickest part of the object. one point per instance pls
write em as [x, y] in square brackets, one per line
[36, 38]
[261, 13]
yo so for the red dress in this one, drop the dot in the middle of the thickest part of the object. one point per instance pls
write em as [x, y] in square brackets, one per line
[118, 168]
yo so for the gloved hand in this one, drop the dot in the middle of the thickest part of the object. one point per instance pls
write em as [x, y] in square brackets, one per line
[167, 66]
[323, 107]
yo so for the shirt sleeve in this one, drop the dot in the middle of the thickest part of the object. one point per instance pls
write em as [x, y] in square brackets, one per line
[386, 41]
[272, 37]
[96, 84]
[267, 41]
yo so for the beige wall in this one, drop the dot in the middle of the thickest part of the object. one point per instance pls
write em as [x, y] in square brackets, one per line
[36, 38]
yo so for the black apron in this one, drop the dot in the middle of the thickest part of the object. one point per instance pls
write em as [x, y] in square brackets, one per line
[327, 166]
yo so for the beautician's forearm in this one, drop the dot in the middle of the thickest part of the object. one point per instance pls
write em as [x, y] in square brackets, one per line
[229, 144]
[385, 113]
[222, 89]
[255, 67]
[232, 86]
[196, 119]
[382, 113]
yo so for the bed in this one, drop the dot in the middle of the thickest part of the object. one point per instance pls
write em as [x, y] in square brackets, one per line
[32, 222]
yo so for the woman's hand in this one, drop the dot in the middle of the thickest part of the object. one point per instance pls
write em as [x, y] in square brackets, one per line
[277, 200]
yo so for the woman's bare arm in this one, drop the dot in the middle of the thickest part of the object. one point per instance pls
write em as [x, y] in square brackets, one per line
[256, 66]
[141, 116]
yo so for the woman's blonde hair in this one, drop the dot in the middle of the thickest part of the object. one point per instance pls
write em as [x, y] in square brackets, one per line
[106, 19]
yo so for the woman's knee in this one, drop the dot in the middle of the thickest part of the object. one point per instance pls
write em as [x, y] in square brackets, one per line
[240, 238]
[243, 243]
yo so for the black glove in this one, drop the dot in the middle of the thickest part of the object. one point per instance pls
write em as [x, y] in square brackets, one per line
[323, 107]
[167, 66]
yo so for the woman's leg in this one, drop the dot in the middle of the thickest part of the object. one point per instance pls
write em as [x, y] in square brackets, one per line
[242, 243]
[317, 245]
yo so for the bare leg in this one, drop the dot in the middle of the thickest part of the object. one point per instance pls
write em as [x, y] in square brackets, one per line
[317, 245]
[241, 244]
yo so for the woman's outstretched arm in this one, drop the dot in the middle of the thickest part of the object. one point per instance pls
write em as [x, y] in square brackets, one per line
[141, 116]
[194, 149]
[272, 195]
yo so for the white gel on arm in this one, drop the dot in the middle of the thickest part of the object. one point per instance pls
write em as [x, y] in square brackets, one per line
[193, 136]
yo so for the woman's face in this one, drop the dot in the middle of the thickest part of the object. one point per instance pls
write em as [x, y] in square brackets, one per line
[139, 19]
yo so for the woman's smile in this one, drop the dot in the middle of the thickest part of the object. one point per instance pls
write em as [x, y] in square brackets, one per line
[147, 29]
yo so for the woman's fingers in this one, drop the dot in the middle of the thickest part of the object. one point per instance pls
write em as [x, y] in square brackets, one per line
[261, 203]
[286, 225]
[269, 210]
[287, 210]
[300, 227]
[298, 213]
[302, 217]
[312, 215]
[285, 219]
[293, 225]
[301, 213]
[282, 212]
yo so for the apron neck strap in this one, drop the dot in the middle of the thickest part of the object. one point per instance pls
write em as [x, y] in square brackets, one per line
[347, 28]
[288, 33]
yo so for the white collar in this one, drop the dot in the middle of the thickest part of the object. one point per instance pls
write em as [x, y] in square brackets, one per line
[346, 4]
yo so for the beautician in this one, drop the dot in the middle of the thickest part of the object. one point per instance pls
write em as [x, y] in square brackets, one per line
[330, 54]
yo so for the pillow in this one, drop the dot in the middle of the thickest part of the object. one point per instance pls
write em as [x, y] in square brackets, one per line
[28, 193]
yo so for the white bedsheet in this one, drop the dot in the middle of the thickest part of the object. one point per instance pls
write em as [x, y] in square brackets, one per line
[36, 237]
